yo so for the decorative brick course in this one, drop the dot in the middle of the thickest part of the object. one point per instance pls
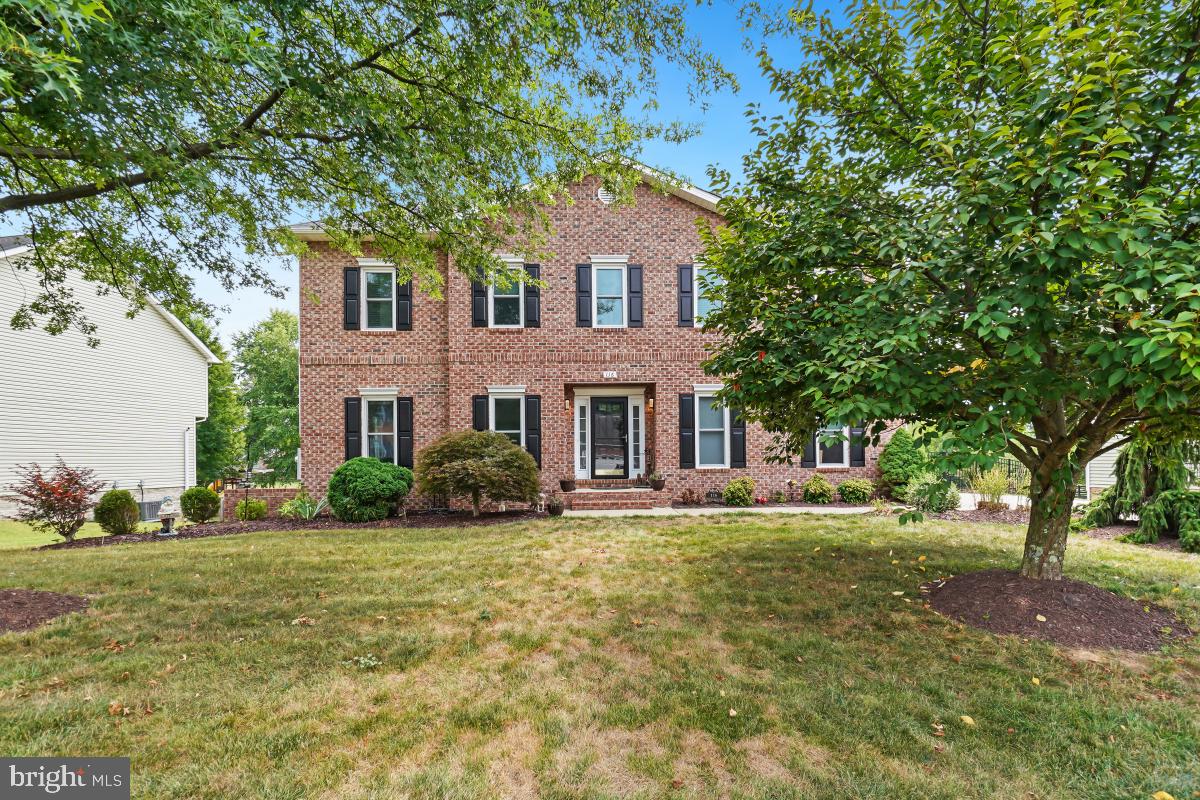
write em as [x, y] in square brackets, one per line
[443, 361]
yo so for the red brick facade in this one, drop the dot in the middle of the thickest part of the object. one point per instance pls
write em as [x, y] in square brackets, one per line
[443, 361]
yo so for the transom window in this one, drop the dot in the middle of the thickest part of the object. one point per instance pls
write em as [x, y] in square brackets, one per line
[833, 454]
[381, 429]
[379, 290]
[712, 432]
[506, 306]
[707, 284]
[609, 290]
[508, 417]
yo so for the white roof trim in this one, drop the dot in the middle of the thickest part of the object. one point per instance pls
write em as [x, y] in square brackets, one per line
[186, 333]
[16, 251]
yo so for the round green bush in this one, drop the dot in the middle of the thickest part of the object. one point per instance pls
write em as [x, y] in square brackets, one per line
[739, 492]
[856, 490]
[250, 509]
[365, 489]
[817, 490]
[200, 504]
[117, 512]
[929, 493]
[900, 462]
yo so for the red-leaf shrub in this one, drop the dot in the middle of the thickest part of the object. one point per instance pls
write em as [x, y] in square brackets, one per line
[57, 501]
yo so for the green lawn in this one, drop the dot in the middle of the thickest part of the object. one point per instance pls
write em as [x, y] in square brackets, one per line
[738, 657]
[19, 536]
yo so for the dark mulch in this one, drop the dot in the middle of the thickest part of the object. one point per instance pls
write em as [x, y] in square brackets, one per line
[797, 504]
[1111, 532]
[1077, 614]
[25, 609]
[1007, 516]
[414, 519]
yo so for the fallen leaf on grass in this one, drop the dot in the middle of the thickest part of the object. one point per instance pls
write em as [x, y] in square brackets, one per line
[970, 723]
[1035, 681]
[117, 709]
[304, 621]
[732, 713]
[1161, 795]
[1040, 618]
[897, 593]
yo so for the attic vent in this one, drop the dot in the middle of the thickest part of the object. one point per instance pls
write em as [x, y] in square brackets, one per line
[605, 196]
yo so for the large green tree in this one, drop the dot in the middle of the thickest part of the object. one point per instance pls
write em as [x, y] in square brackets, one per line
[220, 439]
[979, 215]
[267, 361]
[144, 140]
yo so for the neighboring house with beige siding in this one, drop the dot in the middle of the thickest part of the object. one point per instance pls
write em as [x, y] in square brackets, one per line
[127, 409]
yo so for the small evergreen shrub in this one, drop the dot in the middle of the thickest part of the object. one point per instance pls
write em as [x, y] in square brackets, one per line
[1176, 511]
[200, 504]
[117, 512]
[900, 462]
[475, 465]
[817, 490]
[365, 489]
[739, 492]
[856, 490]
[250, 509]
[929, 493]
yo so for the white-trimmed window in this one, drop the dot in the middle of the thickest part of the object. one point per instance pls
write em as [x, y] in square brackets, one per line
[379, 299]
[379, 423]
[507, 414]
[712, 432]
[610, 292]
[506, 306]
[831, 453]
[704, 302]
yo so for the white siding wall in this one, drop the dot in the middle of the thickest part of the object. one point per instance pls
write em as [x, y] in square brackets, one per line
[1100, 470]
[127, 408]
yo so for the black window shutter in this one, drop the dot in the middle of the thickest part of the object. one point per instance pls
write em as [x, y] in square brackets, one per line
[479, 315]
[404, 306]
[687, 431]
[404, 432]
[350, 298]
[635, 295]
[533, 427]
[479, 412]
[809, 458]
[533, 298]
[687, 316]
[354, 447]
[737, 440]
[583, 295]
[858, 447]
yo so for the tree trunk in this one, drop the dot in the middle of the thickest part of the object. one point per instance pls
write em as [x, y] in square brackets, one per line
[1049, 524]
[476, 499]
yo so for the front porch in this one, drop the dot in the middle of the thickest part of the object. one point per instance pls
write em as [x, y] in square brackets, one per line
[612, 434]
[614, 493]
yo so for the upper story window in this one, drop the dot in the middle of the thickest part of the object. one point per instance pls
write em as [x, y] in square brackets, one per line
[379, 294]
[505, 306]
[707, 285]
[712, 432]
[610, 291]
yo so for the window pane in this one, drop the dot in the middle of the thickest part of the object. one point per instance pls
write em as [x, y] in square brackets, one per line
[610, 312]
[711, 414]
[513, 436]
[608, 282]
[512, 291]
[507, 414]
[379, 285]
[707, 283]
[379, 313]
[380, 417]
[506, 311]
[712, 448]
[382, 447]
[833, 453]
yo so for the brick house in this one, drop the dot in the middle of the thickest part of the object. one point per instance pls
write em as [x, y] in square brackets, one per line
[597, 373]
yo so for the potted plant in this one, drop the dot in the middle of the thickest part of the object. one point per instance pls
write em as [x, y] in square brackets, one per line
[567, 484]
[657, 481]
[555, 506]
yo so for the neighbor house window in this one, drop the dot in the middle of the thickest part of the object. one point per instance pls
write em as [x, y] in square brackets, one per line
[707, 285]
[712, 432]
[609, 289]
[379, 290]
[505, 306]
[833, 453]
[381, 429]
[508, 416]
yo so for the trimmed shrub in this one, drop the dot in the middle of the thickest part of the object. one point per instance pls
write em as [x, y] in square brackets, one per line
[57, 501]
[739, 492]
[365, 489]
[856, 490]
[817, 490]
[929, 493]
[117, 512]
[200, 503]
[250, 509]
[475, 465]
[900, 462]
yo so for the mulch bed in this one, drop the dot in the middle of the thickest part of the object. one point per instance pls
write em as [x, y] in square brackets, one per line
[25, 609]
[1076, 614]
[797, 504]
[1111, 532]
[414, 519]
[1007, 516]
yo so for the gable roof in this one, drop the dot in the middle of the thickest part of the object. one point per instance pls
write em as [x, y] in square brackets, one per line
[13, 246]
[315, 232]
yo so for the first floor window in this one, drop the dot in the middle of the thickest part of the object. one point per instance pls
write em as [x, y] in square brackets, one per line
[505, 306]
[380, 294]
[712, 429]
[381, 430]
[833, 453]
[707, 283]
[508, 416]
[610, 296]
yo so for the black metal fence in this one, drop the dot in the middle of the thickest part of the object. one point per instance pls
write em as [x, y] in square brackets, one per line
[1018, 478]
